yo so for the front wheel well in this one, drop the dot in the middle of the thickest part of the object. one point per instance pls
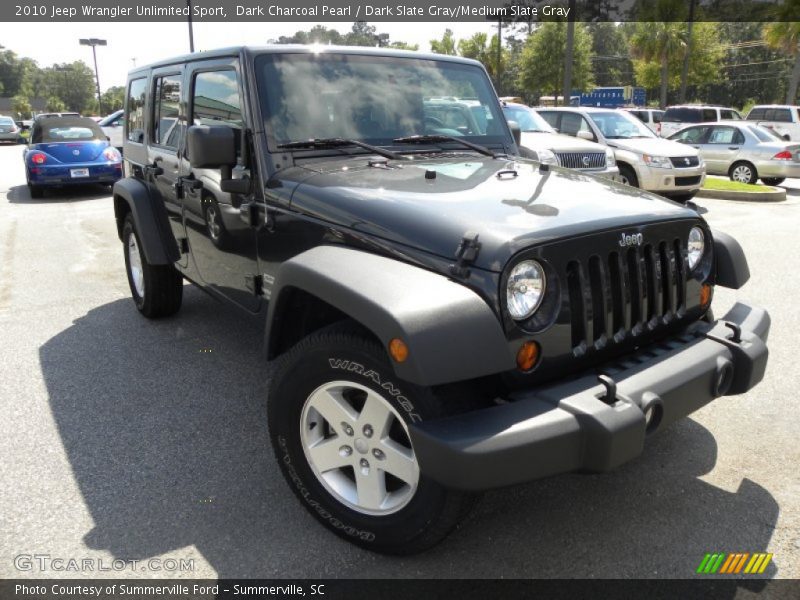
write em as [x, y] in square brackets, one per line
[298, 314]
[121, 209]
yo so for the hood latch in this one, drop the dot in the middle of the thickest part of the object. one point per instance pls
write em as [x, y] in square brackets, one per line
[466, 254]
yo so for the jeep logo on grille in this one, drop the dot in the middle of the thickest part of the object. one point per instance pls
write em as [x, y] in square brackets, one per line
[631, 240]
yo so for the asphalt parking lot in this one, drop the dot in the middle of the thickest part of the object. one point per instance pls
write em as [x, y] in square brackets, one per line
[128, 440]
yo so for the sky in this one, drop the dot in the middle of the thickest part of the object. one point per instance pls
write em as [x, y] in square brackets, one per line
[48, 43]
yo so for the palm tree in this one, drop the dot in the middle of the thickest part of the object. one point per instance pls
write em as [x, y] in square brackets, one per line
[784, 35]
[657, 41]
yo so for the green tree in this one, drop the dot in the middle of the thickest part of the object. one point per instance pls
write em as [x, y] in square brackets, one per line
[612, 62]
[447, 45]
[404, 46]
[542, 61]
[659, 49]
[784, 35]
[113, 98]
[478, 47]
[21, 105]
[56, 104]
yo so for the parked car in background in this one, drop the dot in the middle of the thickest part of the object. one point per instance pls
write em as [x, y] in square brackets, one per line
[677, 117]
[651, 117]
[541, 142]
[744, 151]
[69, 150]
[112, 126]
[644, 160]
[9, 131]
[783, 119]
[56, 114]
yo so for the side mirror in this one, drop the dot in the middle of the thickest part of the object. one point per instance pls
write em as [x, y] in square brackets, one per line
[211, 147]
[516, 132]
[585, 135]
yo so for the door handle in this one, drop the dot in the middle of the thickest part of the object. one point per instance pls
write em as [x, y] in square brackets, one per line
[733, 147]
[155, 169]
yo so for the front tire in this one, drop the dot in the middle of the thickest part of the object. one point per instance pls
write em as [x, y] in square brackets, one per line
[628, 176]
[743, 172]
[338, 421]
[157, 290]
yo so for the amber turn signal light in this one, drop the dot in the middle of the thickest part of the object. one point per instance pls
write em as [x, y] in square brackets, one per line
[398, 350]
[705, 294]
[527, 356]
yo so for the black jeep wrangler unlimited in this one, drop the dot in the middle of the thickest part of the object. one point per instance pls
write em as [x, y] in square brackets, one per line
[445, 317]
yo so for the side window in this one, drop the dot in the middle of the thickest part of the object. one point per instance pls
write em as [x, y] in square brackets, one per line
[165, 111]
[572, 123]
[134, 109]
[757, 114]
[658, 116]
[783, 115]
[722, 135]
[215, 101]
[738, 137]
[692, 135]
[550, 117]
[709, 114]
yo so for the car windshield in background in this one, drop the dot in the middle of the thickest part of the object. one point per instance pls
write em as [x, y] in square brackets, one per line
[764, 135]
[619, 125]
[66, 129]
[6, 121]
[375, 99]
[527, 119]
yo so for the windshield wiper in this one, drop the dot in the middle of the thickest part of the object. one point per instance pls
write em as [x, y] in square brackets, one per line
[438, 138]
[339, 143]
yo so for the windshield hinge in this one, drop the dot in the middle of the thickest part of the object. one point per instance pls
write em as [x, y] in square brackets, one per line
[466, 254]
[255, 283]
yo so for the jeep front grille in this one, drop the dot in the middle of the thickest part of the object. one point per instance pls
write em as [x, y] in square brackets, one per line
[582, 160]
[624, 294]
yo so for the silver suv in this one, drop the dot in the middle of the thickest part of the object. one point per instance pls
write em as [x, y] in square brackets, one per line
[677, 117]
[644, 160]
[541, 142]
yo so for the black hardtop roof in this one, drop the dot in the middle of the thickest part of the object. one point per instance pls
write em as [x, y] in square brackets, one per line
[234, 51]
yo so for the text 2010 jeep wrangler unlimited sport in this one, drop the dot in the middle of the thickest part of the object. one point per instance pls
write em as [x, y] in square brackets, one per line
[445, 317]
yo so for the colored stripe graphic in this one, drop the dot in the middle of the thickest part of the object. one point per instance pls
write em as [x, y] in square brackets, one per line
[733, 563]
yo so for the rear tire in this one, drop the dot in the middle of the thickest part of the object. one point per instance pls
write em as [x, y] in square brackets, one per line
[336, 387]
[628, 176]
[157, 290]
[36, 191]
[772, 180]
[743, 172]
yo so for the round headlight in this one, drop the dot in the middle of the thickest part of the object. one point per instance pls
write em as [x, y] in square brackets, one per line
[695, 246]
[525, 289]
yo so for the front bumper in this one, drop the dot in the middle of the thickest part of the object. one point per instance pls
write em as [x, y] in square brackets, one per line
[656, 179]
[576, 426]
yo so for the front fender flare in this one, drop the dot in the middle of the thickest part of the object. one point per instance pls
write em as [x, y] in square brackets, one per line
[451, 333]
[150, 217]
[731, 263]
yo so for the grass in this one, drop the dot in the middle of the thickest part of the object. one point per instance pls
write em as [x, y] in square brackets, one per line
[735, 186]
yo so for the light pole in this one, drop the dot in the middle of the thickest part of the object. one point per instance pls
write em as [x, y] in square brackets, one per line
[64, 70]
[191, 30]
[94, 42]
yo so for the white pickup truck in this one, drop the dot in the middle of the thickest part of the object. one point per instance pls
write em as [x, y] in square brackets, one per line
[783, 119]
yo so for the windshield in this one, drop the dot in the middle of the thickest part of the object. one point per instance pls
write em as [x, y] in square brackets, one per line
[375, 99]
[616, 125]
[112, 118]
[764, 135]
[527, 118]
[6, 121]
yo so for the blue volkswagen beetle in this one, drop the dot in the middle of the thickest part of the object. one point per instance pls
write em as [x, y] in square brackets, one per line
[69, 150]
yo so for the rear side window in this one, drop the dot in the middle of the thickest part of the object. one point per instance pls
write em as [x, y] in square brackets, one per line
[685, 115]
[709, 114]
[550, 117]
[757, 114]
[726, 135]
[216, 101]
[658, 116]
[728, 115]
[165, 111]
[781, 115]
[134, 109]
[639, 114]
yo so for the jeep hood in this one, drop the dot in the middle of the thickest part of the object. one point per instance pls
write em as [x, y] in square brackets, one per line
[653, 146]
[430, 203]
